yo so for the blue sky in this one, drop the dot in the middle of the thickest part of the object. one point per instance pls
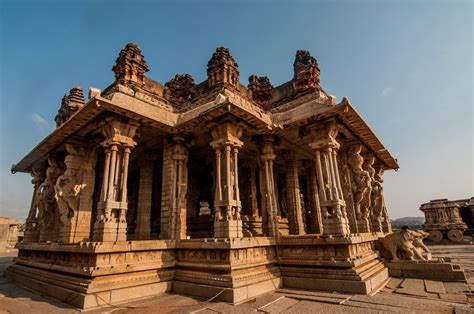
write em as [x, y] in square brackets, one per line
[406, 65]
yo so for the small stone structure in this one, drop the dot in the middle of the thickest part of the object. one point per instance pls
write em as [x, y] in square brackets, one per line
[213, 189]
[9, 233]
[448, 219]
[407, 256]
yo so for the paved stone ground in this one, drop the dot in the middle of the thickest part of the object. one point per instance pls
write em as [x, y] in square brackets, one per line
[400, 295]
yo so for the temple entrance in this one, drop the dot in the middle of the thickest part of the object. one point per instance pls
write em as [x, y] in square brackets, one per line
[200, 193]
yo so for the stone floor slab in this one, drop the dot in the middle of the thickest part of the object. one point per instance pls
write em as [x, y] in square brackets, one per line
[394, 283]
[414, 287]
[434, 286]
[453, 297]
[280, 305]
[456, 287]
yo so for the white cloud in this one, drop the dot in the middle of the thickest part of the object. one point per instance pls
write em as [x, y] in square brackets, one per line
[387, 90]
[41, 122]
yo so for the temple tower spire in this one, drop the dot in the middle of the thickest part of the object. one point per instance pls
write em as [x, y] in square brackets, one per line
[130, 66]
[222, 69]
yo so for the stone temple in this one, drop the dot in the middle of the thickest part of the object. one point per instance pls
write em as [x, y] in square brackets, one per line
[212, 189]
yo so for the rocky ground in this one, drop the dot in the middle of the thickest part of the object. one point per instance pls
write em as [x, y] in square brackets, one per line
[400, 295]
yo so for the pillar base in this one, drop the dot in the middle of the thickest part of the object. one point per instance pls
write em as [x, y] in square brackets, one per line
[335, 226]
[363, 225]
[110, 231]
[228, 229]
[31, 236]
[377, 226]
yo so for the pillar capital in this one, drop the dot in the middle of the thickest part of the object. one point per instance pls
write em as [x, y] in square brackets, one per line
[180, 147]
[267, 148]
[227, 133]
[119, 132]
[324, 137]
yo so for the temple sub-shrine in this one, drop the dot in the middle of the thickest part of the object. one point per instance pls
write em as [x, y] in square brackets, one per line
[212, 189]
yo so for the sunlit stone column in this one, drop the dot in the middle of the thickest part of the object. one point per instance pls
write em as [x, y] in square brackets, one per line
[332, 202]
[111, 224]
[227, 205]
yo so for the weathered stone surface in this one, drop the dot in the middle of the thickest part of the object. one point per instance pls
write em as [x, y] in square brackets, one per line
[209, 189]
[434, 286]
[414, 287]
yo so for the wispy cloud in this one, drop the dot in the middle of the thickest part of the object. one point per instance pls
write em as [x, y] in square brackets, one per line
[387, 90]
[41, 122]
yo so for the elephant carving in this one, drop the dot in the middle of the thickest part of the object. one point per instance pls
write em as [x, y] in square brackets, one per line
[406, 244]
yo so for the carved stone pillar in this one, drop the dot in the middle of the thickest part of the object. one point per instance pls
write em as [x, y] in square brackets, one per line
[111, 224]
[174, 189]
[270, 222]
[47, 205]
[143, 228]
[32, 230]
[227, 223]
[180, 187]
[332, 203]
[293, 195]
[313, 198]
[74, 189]
[253, 189]
[361, 187]
[377, 209]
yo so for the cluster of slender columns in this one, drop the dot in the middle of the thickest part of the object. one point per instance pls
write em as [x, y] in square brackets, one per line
[332, 202]
[111, 224]
[227, 204]
[324, 202]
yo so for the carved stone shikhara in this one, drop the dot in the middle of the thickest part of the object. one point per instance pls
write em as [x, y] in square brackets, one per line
[206, 188]
[70, 103]
[306, 71]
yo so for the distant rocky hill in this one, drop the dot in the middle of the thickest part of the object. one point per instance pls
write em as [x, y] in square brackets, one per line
[412, 222]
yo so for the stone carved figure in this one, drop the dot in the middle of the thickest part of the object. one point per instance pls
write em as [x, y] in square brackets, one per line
[378, 204]
[369, 161]
[47, 204]
[69, 185]
[204, 209]
[361, 182]
[406, 244]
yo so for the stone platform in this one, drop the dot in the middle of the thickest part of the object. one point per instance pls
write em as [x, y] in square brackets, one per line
[92, 274]
[398, 296]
